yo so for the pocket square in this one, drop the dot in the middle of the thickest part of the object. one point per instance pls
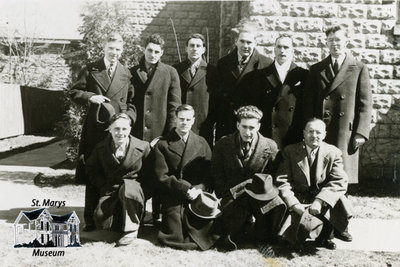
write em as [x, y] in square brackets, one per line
[298, 83]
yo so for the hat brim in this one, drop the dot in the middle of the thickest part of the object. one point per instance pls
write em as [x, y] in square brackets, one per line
[212, 216]
[264, 197]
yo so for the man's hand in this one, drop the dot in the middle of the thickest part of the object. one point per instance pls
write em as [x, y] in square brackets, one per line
[299, 208]
[315, 207]
[98, 99]
[193, 193]
[358, 140]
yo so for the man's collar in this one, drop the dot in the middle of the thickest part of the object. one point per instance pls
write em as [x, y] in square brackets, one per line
[247, 58]
[196, 63]
[125, 144]
[184, 137]
[309, 149]
[149, 66]
[340, 59]
[285, 66]
[107, 63]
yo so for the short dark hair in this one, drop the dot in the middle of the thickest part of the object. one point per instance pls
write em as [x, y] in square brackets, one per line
[284, 35]
[184, 107]
[155, 39]
[248, 112]
[334, 29]
[196, 36]
[113, 37]
[120, 116]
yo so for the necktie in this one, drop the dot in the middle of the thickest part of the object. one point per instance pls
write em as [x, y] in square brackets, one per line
[120, 152]
[312, 157]
[110, 70]
[246, 149]
[242, 63]
[192, 70]
[336, 67]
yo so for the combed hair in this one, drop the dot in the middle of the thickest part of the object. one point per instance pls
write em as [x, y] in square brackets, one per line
[284, 35]
[155, 39]
[184, 107]
[196, 36]
[120, 116]
[248, 112]
[313, 119]
[113, 37]
[334, 29]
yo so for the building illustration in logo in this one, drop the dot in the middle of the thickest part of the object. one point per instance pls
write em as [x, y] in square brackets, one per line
[39, 228]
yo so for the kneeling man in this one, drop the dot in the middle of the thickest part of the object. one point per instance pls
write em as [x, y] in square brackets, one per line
[116, 168]
[241, 169]
[311, 176]
[181, 165]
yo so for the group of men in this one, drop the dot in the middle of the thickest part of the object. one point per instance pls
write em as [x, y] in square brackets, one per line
[228, 153]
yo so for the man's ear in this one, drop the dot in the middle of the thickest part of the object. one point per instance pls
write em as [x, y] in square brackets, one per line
[237, 125]
[162, 52]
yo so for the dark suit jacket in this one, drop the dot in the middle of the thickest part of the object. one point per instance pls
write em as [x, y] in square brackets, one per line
[280, 103]
[155, 100]
[94, 80]
[293, 180]
[344, 103]
[228, 171]
[195, 92]
[178, 167]
[225, 98]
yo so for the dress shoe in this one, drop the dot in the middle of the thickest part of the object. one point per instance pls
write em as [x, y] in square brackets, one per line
[226, 244]
[344, 236]
[89, 227]
[127, 239]
[325, 243]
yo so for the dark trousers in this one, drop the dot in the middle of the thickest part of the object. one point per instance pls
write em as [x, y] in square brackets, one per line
[92, 196]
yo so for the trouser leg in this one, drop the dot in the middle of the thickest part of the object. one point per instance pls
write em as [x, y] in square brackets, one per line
[132, 210]
[91, 199]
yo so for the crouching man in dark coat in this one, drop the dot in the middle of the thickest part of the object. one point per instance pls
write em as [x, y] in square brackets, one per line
[181, 165]
[311, 177]
[241, 169]
[117, 168]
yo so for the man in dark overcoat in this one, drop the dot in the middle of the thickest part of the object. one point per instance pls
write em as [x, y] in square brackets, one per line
[182, 166]
[157, 92]
[233, 71]
[197, 78]
[118, 167]
[311, 176]
[236, 159]
[103, 81]
[278, 91]
[339, 93]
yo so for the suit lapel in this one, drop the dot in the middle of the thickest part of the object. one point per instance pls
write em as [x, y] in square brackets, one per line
[231, 151]
[158, 72]
[260, 156]
[142, 74]
[117, 82]
[175, 144]
[200, 73]
[132, 155]
[327, 74]
[302, 162]
[322, 161]
[99, 73]
[250, 66]
[348, 66]
[191, 149]
[285, 88]
[185, 74]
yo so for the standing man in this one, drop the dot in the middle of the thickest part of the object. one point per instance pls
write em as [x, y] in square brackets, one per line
[182, 169]
[338, 92]
[311, 176]
[157, 94]
[242, 167]
[104, 86]
[117, 167]
[233, 71]
[197, 78]
[278, 91]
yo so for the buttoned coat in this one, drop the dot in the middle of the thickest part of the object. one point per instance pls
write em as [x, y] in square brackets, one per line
[225, 99]
[281, 104]
[108, 174]
[344, 103]
[293, 180]
[155, 100]
[196, 92]
[179, 167]
[94, 80]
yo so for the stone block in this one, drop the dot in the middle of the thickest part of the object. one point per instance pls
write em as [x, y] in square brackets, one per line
[267, 38]
[356, 41]
[378, 41]
[387, 25]
[279, 23]
[367, 26]
[307, 54]
[368, 56]
[382, 11]
[262, 23]
[316, 39]
[380, 71]
[308, 25]
[180, 15]
[352, 11]
[390, 56]
[325, 52]
[396, 72]
[347, 1]
[375, 2]
[382, 103]
[267, 50]
[389, 86]
[347, 24]
[299, 39]
[265, 8]
[374, 86]
[294, 9]
[323, 10]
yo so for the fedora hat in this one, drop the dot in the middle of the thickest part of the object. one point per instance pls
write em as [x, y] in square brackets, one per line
[104, 112]
[205, 206]
[309, 226]
[261, 187]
